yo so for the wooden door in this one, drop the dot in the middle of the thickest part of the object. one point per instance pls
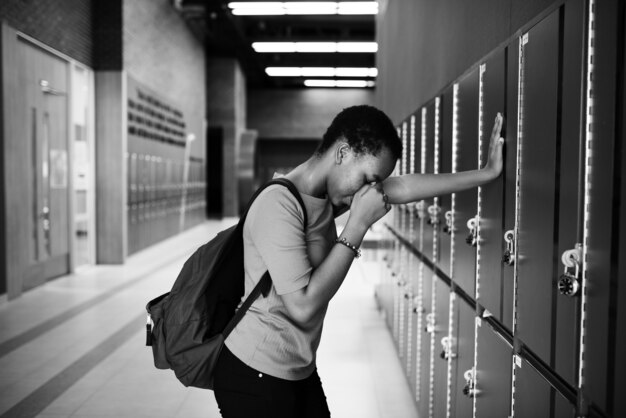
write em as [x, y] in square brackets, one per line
[43, 78]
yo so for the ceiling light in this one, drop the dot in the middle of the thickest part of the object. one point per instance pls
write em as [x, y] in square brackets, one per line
[304, 8]
[321, 72]
[339, 83]
[315, 46]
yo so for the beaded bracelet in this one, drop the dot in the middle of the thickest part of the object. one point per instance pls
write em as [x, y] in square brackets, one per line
[344, 241]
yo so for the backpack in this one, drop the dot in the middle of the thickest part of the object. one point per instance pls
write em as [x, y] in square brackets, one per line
[187, 327]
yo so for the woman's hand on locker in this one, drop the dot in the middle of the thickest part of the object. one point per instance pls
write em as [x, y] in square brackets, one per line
[496, 144]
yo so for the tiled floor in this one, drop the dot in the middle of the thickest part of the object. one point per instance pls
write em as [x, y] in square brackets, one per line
[75, 346]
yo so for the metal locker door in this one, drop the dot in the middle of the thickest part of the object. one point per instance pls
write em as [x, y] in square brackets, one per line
[441, 349]
[570, 219]
[427, 165]
[536, 261]
[534, 397]
[510, 179]
[462, 366]
[465, 157]
[425, 323]
[599, 252]
[493, 372]
[414, 347]
[532, 392]
[410, 292]
[490, 246]
[400, 292]
[445, 166]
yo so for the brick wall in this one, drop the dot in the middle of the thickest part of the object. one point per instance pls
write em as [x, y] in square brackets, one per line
[65, 25]
[161, 52]
[299, 113]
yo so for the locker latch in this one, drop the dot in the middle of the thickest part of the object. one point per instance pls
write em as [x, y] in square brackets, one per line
[569, 282]
[416, 306]
[470, 383]
[430, 323]
[448, 343]
[420, 209]
[472, 237]
[448, 228]
[509, 254]
[434, 211]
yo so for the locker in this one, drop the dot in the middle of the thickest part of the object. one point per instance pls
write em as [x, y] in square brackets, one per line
[424, 329]
[445, 166]
[408, 293]
[491, 243]
[493, 373]
[509, 178]
[427, 164]
[461, 404]
[534, 397]
[440, 353]
[465, 157]
[601, 257]
[537, 263]
[570, 197]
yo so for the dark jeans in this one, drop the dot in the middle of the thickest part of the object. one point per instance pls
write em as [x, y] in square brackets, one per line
[242, 392]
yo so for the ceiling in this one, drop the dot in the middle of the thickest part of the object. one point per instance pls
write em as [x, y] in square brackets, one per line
[226, 35]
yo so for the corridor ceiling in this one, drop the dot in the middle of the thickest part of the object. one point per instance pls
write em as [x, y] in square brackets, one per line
[228, 35]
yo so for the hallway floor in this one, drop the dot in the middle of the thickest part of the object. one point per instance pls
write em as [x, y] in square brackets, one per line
[75, 346]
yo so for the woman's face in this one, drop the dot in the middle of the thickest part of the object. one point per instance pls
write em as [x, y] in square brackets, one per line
[352, 171]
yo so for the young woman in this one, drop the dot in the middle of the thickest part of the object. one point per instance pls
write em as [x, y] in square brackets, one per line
[267, 367]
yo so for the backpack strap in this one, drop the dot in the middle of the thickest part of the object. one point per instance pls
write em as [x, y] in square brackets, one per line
[264, 285]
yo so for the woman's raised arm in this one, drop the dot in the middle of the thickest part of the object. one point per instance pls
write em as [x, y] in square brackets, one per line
[413, 187]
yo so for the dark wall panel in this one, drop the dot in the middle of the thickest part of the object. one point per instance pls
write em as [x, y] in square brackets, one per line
[299, 113]
[450, 35]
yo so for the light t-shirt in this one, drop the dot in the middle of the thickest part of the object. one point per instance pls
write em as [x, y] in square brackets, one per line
[267, 339]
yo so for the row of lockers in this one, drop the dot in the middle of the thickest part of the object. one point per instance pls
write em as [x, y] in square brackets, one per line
[151, 177]
[487, 291]
[161, 196]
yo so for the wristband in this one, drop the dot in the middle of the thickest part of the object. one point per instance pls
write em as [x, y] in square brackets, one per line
[344, 241]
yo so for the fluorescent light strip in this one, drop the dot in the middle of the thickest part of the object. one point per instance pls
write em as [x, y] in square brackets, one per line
[320, 72]
[315, 47]
[339, 83]
[304, 8]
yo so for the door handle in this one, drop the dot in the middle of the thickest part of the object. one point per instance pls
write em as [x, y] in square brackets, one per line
[46, 89]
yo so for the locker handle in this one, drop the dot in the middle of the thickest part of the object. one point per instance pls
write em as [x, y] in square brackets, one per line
[434, 211]
[447, 343]
[508, 257]
[448, 228]
[569, 283]
[472, 237]
[430, 323]
[470, 383]
[420, 209]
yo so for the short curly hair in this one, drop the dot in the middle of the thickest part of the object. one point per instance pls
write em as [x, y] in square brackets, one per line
[366, 129]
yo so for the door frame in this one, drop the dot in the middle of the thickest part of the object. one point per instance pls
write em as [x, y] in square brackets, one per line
[11, 262]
